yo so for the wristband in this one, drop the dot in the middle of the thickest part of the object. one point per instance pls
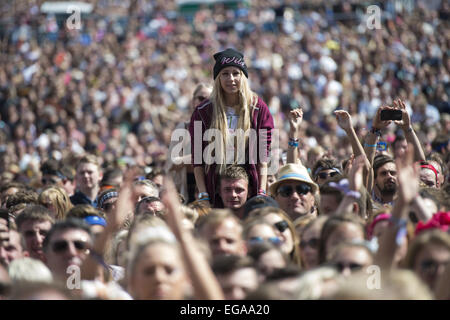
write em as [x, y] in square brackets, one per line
[203, 199]
[376, 131]
[353, 194]
[401, 223]
[293, 143]
[370, 145]
[410, 129]
[203, 195]
[262, 192]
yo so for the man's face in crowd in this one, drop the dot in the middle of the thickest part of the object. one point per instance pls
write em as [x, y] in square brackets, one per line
[386, 179]
[151, 207]
[233, 192]
[225, 238]
[34, 233]
[428, 177]
[88, 176]
[141, 191]
[11, 249]
[324, 175]
[67, 247]
[295, 204]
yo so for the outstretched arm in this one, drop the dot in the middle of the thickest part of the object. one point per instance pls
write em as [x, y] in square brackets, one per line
[92, 266]
[295, 120]
[408, 180]
[410, 135]
[203, 279]
[345, 122]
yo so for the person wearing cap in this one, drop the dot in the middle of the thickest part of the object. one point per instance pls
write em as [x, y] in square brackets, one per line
[231, 107]
[294, 191]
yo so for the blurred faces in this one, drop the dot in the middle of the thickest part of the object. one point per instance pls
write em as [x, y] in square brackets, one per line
[225, 238]
[263, 232]
[309, 247]
[431, 262]
[328, 203]
[34, 233]
[345, 232]
[323, 175]
[400, 148]
[238, 284]
[283, 232]
[159, 274]
[295, 198]
[233, 193]
[200, 95]
[67, 247]
[386, 180]
[428, 177]
[11, 249]
[88, 177]
[350, 259]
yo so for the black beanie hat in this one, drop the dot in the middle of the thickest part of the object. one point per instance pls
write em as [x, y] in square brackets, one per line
[229, 58]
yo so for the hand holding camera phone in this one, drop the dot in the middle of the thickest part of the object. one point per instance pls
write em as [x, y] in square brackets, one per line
[391, 114]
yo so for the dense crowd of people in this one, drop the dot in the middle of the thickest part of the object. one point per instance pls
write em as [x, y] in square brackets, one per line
[356, 122]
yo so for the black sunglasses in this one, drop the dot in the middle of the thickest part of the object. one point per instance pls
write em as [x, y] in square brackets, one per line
[287, 191]
[62, 245]
[340, 266]
[313, 243]
[324, 175]
[281, 225]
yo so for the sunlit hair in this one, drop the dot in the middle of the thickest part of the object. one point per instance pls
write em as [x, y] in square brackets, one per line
[247, 101]
[58, 198]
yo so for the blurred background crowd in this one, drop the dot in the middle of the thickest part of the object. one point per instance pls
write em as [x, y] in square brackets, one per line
[91, 110]
[118, 86]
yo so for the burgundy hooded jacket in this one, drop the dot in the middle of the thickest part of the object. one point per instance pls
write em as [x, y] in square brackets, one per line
[261, 121]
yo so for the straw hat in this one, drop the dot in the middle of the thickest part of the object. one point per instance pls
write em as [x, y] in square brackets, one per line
[293, 172]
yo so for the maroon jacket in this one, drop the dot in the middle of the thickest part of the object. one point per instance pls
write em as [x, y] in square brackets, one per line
[260, 119]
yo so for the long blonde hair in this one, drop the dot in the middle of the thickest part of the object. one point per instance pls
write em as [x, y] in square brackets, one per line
[247, 101]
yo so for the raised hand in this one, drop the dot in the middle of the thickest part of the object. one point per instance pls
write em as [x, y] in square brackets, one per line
[405, 123]
[377, 123]
[295, 120]
[125, 205]
[408, 177]
[356, 173]
[174, 216]
[344, 119]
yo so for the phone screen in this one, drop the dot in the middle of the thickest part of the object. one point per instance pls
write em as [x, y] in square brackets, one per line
[391, 115]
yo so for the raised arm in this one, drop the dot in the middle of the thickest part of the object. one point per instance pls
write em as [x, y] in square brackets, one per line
[205, 284]
[408, 180]
[410, 135]
[345, 122]
[92, 266]
[295, 120]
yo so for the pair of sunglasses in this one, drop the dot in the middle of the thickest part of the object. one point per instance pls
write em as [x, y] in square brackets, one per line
[287, 191]
[313, 243]
[274, 240]
[340, 266]
[325, 175]
[281, 225]
[61, 246]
